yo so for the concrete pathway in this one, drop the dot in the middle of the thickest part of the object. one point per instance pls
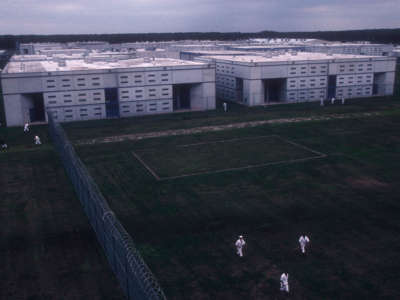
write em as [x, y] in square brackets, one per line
[203, 129]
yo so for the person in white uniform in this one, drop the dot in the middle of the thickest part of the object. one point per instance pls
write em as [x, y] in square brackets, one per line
[285, 282]
[239, 245]
[303, 240]
[3, 145]
[37, 140]
[333, 100]
[26, 127]
[225, 105]
[343, 100]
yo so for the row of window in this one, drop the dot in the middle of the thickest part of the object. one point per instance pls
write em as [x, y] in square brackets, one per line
[145, 107]
[142, 93]
[354, 79]
[306, 82]
[355, 67]
[226, 81]
[145, 78]
[310, 69]
[74, 82]
[74, 98]
[223, 68]
[306, 95]
[354, 92]
[78, 113]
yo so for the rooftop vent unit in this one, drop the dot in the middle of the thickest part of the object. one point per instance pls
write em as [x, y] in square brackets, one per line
[146, 59]
[294, 53]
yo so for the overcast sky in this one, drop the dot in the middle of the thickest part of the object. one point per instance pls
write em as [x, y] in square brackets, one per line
[138, 16]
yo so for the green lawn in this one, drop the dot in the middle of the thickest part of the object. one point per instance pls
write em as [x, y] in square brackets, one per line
[220, 155]
[185, 228]
[48, 249]
[237, 113]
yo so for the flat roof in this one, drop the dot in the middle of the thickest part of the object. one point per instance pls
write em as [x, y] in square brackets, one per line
[220, 52]
[350, 44]
[301, 56]
[265, 46]
[14, 67]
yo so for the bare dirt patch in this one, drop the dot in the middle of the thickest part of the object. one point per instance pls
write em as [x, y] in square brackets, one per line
[196, 130]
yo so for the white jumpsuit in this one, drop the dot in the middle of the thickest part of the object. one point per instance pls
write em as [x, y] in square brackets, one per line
[225, 106]
[37, 140]
[239, 246]
[26, 127]
[285, 282]
[303, 240]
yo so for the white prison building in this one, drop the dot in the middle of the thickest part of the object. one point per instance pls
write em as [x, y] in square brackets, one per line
[100, 87]
[351, 48]
[299, 77]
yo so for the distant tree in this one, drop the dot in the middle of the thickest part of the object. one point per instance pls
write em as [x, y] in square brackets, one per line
[372, 35]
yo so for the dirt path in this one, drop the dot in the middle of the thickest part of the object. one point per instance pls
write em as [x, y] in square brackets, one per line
[189, 131]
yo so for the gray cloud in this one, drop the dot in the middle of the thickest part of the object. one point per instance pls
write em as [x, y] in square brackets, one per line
[125, 16]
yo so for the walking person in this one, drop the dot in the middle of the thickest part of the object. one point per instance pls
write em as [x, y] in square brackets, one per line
[225, 105]
[239, 245]
[3, 145]
[303, 241]
[285, 282]
[26, 127]
[37, 140]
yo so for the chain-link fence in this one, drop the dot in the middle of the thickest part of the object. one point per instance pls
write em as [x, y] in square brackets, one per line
[133, 274]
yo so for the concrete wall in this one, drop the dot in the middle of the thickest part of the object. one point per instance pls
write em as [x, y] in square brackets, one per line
[306, 81]
[75, 96]
[13, 110]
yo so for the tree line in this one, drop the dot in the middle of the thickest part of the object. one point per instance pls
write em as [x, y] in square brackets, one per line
[372, 35]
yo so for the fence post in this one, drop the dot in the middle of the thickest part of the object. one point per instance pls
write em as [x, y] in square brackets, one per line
[135, 277]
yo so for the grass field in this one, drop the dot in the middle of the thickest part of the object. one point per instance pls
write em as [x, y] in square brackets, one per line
[347, 202]
[48, 250]
[237, 113]
[221, 156]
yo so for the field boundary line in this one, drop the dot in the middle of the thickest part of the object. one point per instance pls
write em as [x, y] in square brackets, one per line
[300, 146]
[244, 168]
[158, 178]
[152, 172]
[228, 140]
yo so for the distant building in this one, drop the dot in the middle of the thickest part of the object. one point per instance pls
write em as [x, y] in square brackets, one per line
[57, 48]
[351, 48]
[268, 47]
[396, 53]
[192, 54]
[80, 87]
[299, 77]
